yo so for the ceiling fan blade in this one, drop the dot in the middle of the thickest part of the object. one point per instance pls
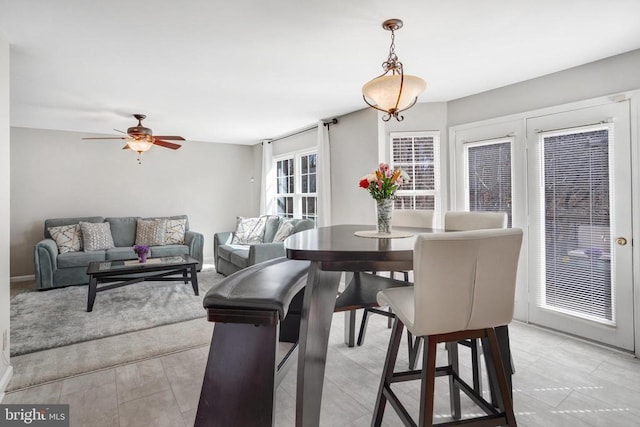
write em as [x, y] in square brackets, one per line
[166, 144]
[171, 138]
[108, 137]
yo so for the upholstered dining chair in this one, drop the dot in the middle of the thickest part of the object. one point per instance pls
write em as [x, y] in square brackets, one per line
[461, 221]
[418, 218]
[464, 287]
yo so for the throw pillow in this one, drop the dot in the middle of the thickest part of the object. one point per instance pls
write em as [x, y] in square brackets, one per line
[96, 236]
[284, 230]
[249, 231]
[175, 231]
[151, 232]
[67, 237]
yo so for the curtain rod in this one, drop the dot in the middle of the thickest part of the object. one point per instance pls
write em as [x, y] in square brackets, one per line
[298, 132]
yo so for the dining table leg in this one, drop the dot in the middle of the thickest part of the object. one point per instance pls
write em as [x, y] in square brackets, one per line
[317, 312]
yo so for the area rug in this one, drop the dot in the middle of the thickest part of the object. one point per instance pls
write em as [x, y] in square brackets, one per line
[43, 320]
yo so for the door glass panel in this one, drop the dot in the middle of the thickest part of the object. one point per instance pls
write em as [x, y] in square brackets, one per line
[489, 177]
[577, 243]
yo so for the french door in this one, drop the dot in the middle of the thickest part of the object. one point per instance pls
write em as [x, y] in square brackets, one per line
[579, 205]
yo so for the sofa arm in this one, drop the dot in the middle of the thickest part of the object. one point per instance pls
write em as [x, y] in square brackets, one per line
[219, 239]
[195, 241]
[45, 261]
[265, 251]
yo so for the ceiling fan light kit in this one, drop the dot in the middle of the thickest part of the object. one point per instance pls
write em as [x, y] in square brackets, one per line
[393, 92]
[141, 139]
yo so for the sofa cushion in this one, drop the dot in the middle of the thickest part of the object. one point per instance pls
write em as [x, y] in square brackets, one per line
[169, 250]
[117, 254]
[56, 222]
[240, 258]
[271, 227]
[284, 230]
[249, 231]
[123, 230]
[151, 232]
[67, 237]
[225, 251]
[80, 259]
[96, 236]
[175, 231]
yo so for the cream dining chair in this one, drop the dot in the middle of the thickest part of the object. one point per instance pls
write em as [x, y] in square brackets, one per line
[464, 287]
[417, 218]
[464, 221]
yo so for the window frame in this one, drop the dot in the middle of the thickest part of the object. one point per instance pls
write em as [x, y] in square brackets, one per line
[437, 167]
[297, 194]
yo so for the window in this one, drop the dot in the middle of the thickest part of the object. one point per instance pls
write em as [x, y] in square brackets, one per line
[296, 187]
[488, 176]
[418, 154]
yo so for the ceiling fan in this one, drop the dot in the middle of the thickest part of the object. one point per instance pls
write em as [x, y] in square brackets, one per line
[141, 139]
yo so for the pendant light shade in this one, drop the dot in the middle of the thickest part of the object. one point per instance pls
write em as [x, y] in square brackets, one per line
[384, 90]
[393, 91]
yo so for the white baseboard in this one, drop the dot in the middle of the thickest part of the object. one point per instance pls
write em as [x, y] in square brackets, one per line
[4, 381]
[27, 278]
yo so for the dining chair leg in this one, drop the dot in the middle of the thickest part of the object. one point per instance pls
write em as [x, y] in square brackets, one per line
[387, 372]
[503, 385]
[363, 326]
[476, 365]
[427, 379]
[454, 390]
[414, 351]
[390, 318]
[492, 378]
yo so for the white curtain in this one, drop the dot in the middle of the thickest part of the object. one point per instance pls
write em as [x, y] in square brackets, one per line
[324, 176]
[267, 188]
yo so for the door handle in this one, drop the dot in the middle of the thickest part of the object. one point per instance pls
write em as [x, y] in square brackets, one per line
[621, 241]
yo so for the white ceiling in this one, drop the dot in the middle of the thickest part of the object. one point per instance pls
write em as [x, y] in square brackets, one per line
[243, 70]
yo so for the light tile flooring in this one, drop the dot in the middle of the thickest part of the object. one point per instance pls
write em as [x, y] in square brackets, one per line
[560, 381]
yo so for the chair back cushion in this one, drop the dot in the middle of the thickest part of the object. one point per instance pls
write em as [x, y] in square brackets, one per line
[420, 218]
[474, 220]
[465, 280]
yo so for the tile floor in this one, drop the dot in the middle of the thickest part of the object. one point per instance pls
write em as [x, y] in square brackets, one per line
[560, 381]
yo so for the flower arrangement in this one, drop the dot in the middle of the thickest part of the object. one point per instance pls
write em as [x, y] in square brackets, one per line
[141, 250]
[383, 183]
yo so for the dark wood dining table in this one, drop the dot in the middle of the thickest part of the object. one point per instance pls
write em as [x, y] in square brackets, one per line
[333, 250]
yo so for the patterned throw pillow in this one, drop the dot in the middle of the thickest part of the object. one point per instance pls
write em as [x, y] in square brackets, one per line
[67, 237]
[284, 230]
[249, 231]
[96, 236]
[151, 232]
[175, 231]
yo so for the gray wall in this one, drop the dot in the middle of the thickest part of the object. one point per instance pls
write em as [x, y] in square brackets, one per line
[5, 369]
[608, 76]
[354, 153]
[57, 174]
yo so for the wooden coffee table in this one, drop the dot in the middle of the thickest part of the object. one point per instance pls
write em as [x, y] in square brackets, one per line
[128, 272]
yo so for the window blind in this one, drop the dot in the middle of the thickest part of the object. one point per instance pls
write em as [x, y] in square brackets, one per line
[488, 170]
[576, 244]
[418, 156]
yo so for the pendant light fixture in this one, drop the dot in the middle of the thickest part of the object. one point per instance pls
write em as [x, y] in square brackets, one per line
[393, 92]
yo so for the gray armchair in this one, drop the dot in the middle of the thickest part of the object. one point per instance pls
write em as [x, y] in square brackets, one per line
[230, 258]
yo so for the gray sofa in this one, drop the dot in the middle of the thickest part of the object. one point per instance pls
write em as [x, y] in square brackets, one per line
[230, 258]
[53, 269]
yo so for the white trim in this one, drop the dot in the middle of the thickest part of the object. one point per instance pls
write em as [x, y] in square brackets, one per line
[18, 279]
[4, 381]
[519, 120]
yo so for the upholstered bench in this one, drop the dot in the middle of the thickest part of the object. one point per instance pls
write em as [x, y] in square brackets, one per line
[253, 310]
